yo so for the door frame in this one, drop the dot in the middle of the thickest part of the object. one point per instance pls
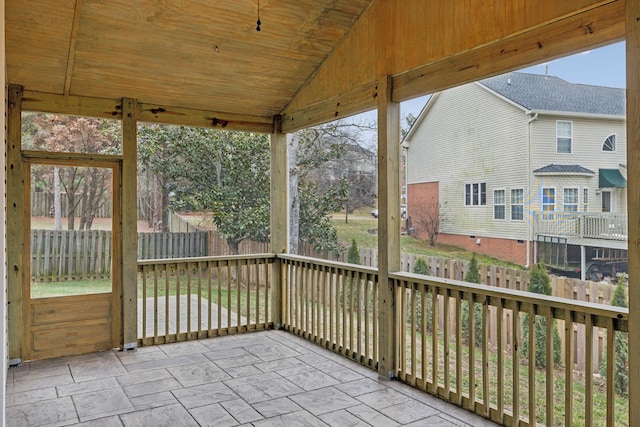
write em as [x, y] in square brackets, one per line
[114, 163]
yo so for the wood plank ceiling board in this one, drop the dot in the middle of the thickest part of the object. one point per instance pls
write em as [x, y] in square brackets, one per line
[164, 52]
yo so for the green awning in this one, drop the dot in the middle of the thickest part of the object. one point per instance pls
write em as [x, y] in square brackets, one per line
[612, 178]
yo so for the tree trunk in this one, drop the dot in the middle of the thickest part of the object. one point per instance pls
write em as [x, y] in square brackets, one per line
[294, 199]
[234, 246]
[57, 203]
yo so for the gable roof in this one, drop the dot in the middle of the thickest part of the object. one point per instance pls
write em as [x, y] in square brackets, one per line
[563, 169]
[548, 93]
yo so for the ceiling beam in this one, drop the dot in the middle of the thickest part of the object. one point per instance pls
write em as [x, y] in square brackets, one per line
[152, 113]
[71, 57]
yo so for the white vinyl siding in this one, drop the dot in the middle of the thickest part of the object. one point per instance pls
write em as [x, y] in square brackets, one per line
[564, 137]
[499, 204]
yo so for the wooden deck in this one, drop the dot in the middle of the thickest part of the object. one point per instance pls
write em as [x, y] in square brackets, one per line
[269, 378]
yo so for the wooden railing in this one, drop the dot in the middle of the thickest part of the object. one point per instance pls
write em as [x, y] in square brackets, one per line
[334, 305]
[590, 225]
[191, 298]
[436, 353]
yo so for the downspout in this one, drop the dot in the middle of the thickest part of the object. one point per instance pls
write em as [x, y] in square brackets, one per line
[529, 180]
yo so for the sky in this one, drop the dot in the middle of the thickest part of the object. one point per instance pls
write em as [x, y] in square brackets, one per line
[604, 66]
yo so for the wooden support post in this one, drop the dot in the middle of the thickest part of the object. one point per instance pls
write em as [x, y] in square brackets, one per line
[16, 211]
[279, 215]
[633, 199]
[388, 223]
[129, 228]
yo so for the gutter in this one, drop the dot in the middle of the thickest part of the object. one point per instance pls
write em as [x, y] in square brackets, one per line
[534, 117]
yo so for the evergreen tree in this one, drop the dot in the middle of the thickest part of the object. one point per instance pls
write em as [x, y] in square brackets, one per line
[621, 349]
[353, 256]
[539, 283]
[425, 309]
[473, 276]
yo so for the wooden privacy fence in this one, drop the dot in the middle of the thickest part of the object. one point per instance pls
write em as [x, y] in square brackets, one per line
[58, 255]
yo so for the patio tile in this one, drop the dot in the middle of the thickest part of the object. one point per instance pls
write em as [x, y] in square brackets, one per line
[226, 353]
[409, 411]
[258, 391]
[247, 359]
[166, 363]
[360, 387]
[342, 418]
[276, 407]
[151, 387]
[213, 416]
[437, 421]
[49, 412]
[30, 374]
[101, 404]
[294, 419]
[198, 373]
[371, 416]
[30, 396]
[184, 348]
[241, 411]
[202, 395]
[87, 386]
[165, 416]
[272, 351]
[311, 380]
[143, 377]
[242, 371]
[324, 400]
[113, 421]
[96, 369]
[344, 375]
[153, 400]
[279, 364]
[383, 398]
[39, 383]
[140, 355]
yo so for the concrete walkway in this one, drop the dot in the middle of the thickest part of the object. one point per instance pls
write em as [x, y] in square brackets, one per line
[270, 378]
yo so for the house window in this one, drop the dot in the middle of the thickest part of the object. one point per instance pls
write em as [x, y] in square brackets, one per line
[564, 131]
[609, 144]
[570, 200]
[475, 194]
[517, 204]
[499, 205]
[585, 199]
[548, 200]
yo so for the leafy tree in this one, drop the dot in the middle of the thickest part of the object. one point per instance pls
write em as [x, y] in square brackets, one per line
[621, 349]
[426, 309]
[539, 283]
[473, 276]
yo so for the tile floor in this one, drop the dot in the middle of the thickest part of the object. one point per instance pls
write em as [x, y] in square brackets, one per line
[268, 378]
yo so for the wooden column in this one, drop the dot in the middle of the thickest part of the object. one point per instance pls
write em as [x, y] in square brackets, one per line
[129, 228]
[279, 215]
[633, 200]
[388, 223]
[16, 210]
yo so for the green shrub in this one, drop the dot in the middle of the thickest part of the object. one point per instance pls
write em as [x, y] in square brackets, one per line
[425, 309]
[472, 276]
[539, 283]
[353, 256]
[621, 349]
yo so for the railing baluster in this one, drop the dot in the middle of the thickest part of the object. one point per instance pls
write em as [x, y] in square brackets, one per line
[313, 273]
[166, 300]
[332, 306]
[229, 310]
[485, 358]
[588, 370]
[188, 299]
[403, 330]
[459, 295]
[446, 338]
[568, 367]
[344, 310]
[375, 290]
[515, 362]
[178, 302]
[247, 270]
[434, 347]
[500, 362]
[611, 373]
[209, 298]
[239, 271]
[155, 304]
[550, 367]
[367, 313]
[472, 353]
[532, 364]
[144, 304]
[423, 327]
[413, 336]
[199, 276]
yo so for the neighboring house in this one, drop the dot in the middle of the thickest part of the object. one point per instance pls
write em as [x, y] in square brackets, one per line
[524, 167]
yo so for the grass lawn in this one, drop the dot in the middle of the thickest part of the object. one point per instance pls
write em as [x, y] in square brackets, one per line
[363, 228]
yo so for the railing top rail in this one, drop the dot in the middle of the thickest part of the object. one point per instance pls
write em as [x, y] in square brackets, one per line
[205, 259]
[555, 303]
[326, 263]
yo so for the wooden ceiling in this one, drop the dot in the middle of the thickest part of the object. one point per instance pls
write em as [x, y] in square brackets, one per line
[203, 54]
[312, 61]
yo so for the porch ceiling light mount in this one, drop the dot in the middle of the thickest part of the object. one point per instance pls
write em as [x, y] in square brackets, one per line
[258, 23]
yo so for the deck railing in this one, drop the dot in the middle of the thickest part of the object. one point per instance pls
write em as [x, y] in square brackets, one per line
[589, 225]
[442, 328]
[332, 304]
[442, 318]
[190, 298]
